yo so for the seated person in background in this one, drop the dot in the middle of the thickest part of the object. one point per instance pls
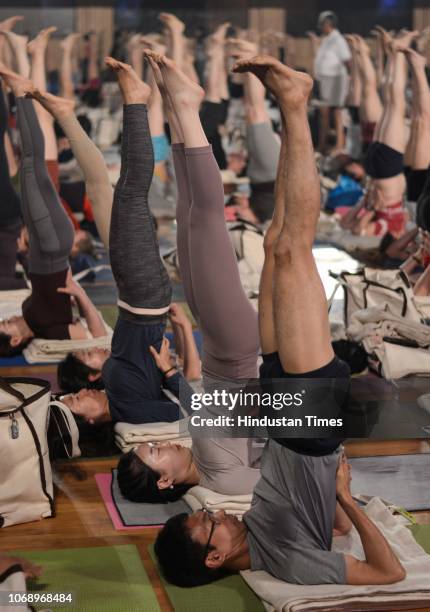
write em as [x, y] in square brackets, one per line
[160, 473]
[303, 496]
[47, 312]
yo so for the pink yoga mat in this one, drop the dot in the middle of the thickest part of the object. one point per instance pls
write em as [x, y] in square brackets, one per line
[104, 482]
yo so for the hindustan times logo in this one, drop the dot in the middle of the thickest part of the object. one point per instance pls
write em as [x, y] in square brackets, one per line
[243, 399]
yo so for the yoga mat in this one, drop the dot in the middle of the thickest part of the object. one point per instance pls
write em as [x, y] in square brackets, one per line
[125, 514]
[101, 578]
[422, 535]
[402, 480]
[230, 594]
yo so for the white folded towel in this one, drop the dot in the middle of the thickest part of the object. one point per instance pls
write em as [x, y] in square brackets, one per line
[199, 497]
[128, 436]
[413, 590]
[41, 350]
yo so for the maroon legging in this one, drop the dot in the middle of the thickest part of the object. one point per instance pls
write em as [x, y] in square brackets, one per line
[209, 271]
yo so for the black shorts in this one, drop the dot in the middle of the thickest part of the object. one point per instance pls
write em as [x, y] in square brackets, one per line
[317, 447]
[382, 161]
[415, 180]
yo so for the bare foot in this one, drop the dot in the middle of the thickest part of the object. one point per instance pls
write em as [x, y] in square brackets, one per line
[290, 87]
[8, 24]
[154, 43]
[68, 43]
[40, 42]
[172, 23]
[181, 89]
[219, 35]
[404, 39]
[58, 107]
[133, 89]
[416, 60]
[19, 84]
[240, 48]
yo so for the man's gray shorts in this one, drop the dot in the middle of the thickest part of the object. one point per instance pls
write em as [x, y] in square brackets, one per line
[333, 90]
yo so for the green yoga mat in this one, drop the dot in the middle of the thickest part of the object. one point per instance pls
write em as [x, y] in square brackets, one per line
[422, 535]
[101, 578]
[230, 594]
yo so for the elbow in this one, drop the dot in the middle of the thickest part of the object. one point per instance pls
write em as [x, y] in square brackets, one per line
[400, 573]
[397, 574]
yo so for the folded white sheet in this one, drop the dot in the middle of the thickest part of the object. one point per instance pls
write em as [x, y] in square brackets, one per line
[41, 350]
[414, 589]
[128, 436]
[199, 497]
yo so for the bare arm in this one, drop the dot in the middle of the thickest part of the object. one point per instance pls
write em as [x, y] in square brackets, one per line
[381, 565]
[86, 307]
[192, 365]
[342, 523]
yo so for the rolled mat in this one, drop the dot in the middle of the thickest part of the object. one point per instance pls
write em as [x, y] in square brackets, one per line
[101, 578]
[230, 594]
[125, 514]
[402, 480]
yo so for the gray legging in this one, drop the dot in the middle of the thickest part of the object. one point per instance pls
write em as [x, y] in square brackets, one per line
[141, 278]
[209, 268]
[50, 230]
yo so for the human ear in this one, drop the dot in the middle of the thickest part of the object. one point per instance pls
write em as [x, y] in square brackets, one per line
[15, 340]
[94, 377]
[164, 482]
[214, 559]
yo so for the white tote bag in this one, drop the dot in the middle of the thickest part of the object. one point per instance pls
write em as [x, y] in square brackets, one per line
[26, 490]
[380, 289]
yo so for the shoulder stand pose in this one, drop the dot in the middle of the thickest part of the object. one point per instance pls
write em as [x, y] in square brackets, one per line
[214, 292]
[47, 313]
[288, 530]
[134, 384]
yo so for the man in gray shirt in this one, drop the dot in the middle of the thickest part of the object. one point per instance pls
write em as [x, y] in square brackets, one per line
[290, 523]
[303, 494]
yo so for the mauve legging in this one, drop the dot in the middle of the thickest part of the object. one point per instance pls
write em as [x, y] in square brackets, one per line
[209, 268]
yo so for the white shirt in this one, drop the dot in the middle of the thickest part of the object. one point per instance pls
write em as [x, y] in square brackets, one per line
[331, 55]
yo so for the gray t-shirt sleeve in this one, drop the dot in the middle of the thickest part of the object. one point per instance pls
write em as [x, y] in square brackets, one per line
[312, 566]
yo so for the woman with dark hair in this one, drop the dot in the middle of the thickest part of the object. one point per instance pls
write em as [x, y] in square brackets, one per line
[163, 472]
[47, 312]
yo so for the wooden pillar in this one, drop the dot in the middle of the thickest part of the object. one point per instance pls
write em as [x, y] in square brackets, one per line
[100, 20]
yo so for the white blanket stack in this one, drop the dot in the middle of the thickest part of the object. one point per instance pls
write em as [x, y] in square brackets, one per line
[412, 592]
[199, 497]
[128, 436]
[51, 351]
[371, 325]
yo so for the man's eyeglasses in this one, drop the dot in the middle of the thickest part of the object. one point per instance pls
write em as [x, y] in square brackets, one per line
[214, 524]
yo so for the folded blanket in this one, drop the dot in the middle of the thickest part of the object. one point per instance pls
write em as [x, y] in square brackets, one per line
[412, 592]
[128, 436]
[51, 351]
[199, 497]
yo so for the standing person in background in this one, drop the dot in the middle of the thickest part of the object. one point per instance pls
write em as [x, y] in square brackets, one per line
[332, 65]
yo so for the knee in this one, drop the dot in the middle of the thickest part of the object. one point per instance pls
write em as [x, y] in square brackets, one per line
[289, 250]
[270, 239]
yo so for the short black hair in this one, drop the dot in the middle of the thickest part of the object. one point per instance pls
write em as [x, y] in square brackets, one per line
[138, 482]
[181, 559]
[7, 350]
[73, 375]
